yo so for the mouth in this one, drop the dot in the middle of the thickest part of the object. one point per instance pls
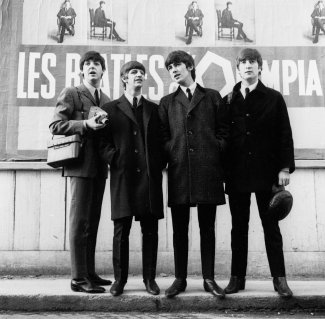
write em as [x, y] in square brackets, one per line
[176, 76]
[92, 73]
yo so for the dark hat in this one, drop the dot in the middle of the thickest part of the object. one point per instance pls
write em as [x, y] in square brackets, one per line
[131, 65]
[280, 204]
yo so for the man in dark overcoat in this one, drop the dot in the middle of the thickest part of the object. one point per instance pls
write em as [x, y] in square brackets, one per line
[88, 176]
[260, 154]
[195, 128]
[100, 20]
[130, 144]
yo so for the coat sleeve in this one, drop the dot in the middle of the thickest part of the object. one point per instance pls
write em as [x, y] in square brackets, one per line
[67, 118]
[223, 123]
[164, 124]
[105, 143]
[285, 140]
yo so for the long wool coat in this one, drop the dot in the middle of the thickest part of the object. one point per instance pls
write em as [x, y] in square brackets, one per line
[135, 161]
[260, 143]
[195, 135]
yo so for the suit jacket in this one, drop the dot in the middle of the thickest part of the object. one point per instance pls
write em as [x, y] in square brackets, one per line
[100, 18]
[194, 14]
[260, 143]
[135, 160]
[69, 12]
[318, 13]
[68, 120]
[226, 19]
[194, 137]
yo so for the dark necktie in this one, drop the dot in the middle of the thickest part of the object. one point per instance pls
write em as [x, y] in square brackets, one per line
[246, 92]
[97, 97]
[189, 94]
[135, 102]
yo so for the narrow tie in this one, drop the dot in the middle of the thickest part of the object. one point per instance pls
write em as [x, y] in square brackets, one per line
[97, 97]
[246, 92]
[135, 102]
[189, 94]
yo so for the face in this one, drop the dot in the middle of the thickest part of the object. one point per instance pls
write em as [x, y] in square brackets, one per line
[68, 5]
[180, 73]
[102, 5]
[249, 70]
[321, 5]
[134, 79]
[194, 5]
[92, 71]
[229, 6]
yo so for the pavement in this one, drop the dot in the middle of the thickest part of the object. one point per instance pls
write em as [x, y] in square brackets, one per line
[54, 294]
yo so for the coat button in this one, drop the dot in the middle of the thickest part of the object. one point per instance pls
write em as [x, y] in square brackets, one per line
[138, 170]
[135, 132]
[248, 133]
[248, 115]
[136, 151]
[190, 132]
[191, 150]
[249, 153]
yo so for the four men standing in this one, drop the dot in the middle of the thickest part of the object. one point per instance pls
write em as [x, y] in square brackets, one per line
[193, 130]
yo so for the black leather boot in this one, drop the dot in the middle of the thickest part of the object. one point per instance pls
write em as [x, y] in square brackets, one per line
[236, 283]
[281, 286]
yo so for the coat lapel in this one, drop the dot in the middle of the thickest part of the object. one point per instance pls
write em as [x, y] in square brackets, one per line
[197, 97]
[83, 90]
[125, 107]
[147, 110]
[181, 97]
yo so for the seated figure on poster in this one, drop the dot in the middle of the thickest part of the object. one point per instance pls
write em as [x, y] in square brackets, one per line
[66, 18]
[228, 21]
[193, 18]
[100, 20]
[318, 19]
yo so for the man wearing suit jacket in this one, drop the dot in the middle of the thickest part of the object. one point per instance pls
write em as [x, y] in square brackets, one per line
[88, 176]
[100, 20]
[193, 18]
[194, 125]
[318, 17]
[228, 21]
[66, 16]
[130, 144]
[260, 154]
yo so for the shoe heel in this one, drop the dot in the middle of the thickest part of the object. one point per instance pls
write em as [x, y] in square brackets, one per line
[242, 285]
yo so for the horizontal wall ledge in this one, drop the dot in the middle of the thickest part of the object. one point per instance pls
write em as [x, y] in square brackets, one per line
[29, 165]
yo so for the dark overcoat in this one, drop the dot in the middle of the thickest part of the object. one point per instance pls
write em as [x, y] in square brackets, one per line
[260, 143]
[195, 135]
[135, 161]
[72, 107]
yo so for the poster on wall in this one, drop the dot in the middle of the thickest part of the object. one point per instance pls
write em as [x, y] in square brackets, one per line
[53, 34]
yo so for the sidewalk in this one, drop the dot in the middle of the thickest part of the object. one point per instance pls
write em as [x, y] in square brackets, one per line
[54, 294]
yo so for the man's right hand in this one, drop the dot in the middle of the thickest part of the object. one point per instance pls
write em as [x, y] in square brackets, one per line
[92, 123]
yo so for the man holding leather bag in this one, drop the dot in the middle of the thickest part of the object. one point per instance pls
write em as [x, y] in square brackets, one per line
[74, 115]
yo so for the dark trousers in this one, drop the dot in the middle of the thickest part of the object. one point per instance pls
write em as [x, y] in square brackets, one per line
[239, 26]
[193, 26]
[319, 26]
[240, 210]
[180, 218]
[64, 24]
[149, 229]
[111, 24]
[85, 210]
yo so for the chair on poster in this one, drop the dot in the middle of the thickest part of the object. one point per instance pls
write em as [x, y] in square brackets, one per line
[187, 28]
[314, 27]
[221, 29]
[93, 27]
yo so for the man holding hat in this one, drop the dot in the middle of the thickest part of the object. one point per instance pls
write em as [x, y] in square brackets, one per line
[260, 155]
[130, 144]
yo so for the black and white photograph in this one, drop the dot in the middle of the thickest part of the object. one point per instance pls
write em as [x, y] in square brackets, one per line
[162, 159]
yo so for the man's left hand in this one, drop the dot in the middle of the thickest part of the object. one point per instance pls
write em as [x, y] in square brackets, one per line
[284, 178]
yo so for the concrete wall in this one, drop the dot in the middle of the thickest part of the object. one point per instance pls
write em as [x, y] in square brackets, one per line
[34, 206]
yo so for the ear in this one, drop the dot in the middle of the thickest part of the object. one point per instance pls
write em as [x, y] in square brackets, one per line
[190, 68]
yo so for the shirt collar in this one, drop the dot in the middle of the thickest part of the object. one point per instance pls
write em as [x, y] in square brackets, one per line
[192, 87]
[130, 97]
[250, 87]
[91, 88]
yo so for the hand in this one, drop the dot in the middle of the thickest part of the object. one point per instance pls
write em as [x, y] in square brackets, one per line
[284, 178]
[92, 123]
